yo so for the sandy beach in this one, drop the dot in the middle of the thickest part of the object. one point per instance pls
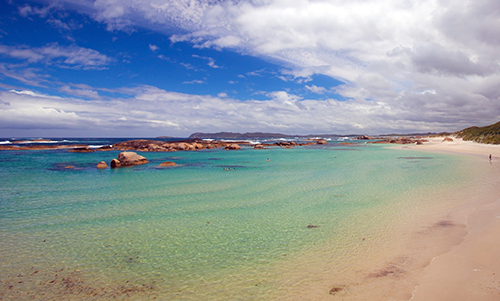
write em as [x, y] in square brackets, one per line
[471, 269]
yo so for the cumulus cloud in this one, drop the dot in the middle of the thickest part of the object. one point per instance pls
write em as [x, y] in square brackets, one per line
[389, 54]
[158, 111]
[316, 89]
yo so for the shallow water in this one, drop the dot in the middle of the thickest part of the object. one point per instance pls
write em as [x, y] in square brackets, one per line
[196, 232]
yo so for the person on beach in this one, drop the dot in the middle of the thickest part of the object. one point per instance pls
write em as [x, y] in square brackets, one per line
[490, 157]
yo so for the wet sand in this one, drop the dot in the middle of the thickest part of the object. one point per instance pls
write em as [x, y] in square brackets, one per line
[471, 269]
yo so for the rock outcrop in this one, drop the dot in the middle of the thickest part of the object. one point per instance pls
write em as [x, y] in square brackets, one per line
[128, 159]
[447, 139]
[167, 163]
[233, 146]
[85, 149]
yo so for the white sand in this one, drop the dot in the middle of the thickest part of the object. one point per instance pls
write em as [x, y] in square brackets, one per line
[471, 269]
[459, 146]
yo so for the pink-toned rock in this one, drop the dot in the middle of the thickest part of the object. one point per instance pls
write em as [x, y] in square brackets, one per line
[102, 165]
[258, 146]
[321, 141]
[198, 145]
[167, 163]
[184, 146]
[232, 146]
[128, 159]
[131, 158]
[448, 139]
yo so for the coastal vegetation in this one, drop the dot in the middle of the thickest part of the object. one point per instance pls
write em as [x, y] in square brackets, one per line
[487, 134]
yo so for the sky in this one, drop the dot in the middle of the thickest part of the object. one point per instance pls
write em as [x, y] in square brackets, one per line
[148, 68]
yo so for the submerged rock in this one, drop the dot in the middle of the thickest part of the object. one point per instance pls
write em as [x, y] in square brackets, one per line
[167, 163]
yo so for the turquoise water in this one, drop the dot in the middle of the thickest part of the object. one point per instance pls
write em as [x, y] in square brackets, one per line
[194, 231]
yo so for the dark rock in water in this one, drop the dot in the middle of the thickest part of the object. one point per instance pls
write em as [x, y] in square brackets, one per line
[84, 149]
[312, 226]
[321, 141]
[105, 148]
[115, 163]
[364, 137]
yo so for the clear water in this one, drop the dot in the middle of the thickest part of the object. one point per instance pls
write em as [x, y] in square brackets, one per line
[196, 232]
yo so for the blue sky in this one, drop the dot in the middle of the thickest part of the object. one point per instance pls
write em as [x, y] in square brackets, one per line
[149, 68]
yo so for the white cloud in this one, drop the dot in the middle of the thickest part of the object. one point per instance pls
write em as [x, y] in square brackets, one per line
[386, 52]
[316, 89]
[87, 93]
[211, 61]
[153, 47]
[62, 56]
[154, 111]
[195, 81]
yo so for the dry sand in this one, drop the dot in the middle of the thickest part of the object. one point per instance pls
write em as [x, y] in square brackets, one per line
[471, 269]
[460, 146]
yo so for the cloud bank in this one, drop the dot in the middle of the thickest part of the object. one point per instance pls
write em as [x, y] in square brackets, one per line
[405, 65]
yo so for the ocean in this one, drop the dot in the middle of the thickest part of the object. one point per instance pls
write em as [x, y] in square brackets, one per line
[245, 224]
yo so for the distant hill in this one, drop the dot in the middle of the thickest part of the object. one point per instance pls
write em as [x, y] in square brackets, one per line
[488, 134]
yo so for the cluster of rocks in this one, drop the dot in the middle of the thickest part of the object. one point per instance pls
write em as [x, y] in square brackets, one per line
[126, 159]
[196, 144]
[398, 140]
[289, 144]
[402, 140]
[162, 146]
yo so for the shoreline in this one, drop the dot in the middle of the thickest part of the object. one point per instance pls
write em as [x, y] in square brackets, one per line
[457, 146]
[470, 270]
